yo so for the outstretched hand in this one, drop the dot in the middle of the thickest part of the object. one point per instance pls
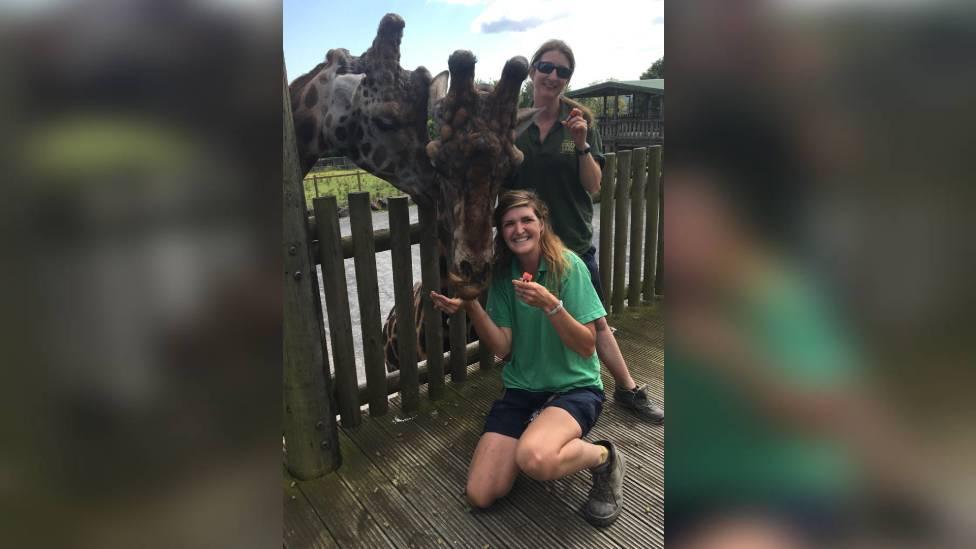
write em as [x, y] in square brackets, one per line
[534, 294]
[449, 305]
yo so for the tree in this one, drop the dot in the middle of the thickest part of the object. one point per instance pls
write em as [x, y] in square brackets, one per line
[525, 95]
[656, 70]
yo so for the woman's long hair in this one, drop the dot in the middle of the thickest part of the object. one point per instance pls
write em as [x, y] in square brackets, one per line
[553, 249]
[563, 48]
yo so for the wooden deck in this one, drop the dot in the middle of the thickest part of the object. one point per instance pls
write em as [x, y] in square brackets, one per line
[402, 481]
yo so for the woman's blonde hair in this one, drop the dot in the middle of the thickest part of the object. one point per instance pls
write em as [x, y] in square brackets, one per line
[563, 48]
[553, 249]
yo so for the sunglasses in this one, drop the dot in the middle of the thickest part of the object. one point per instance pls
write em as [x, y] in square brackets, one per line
[545, 67]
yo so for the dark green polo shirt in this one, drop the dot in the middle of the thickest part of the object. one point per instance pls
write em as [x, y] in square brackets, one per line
[551, 169]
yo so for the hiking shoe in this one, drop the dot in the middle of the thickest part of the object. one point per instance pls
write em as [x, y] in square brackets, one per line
[606, 498]
[636, 401]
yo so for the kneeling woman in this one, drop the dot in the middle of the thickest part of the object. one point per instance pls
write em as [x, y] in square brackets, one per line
[553, 392]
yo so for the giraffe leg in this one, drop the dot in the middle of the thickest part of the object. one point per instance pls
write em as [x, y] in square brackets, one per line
[390, 347]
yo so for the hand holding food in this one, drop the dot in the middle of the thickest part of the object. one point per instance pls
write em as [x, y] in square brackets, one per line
[533, 293]
[577, 127]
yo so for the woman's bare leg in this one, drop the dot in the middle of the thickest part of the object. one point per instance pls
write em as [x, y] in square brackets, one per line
[493, 470]
[551, 447]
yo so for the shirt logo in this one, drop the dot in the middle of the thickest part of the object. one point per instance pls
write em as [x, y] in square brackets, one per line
[567, 146]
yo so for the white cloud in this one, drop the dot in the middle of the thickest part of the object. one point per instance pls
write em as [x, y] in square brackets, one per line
[611, 39]
[518, 15]
[458, 2]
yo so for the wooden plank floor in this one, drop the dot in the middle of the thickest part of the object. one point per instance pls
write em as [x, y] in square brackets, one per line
[402, 480]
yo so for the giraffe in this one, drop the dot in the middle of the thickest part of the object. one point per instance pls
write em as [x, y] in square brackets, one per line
[370, 110]
[391, 351]
[374, 112]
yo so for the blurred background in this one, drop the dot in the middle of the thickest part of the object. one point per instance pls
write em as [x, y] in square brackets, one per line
[818, 263]
[141, 319]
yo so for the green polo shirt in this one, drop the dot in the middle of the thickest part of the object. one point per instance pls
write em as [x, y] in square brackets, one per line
[551, 169]
[540, 361]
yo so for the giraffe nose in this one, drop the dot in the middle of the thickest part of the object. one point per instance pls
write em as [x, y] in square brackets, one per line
[465, 269]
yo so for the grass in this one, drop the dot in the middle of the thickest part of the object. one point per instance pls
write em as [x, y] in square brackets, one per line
[342, 182]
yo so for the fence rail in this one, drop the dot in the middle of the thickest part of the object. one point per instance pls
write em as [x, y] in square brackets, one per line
[334, 162]
[629, 215]
[631, 128]
[317, 179]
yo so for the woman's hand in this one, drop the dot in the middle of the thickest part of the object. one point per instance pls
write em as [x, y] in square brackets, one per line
[534, 294]
[449, 305]
[577, 127]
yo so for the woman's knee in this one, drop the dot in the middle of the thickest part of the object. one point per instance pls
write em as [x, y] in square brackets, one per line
[481, 495]
[537, 462]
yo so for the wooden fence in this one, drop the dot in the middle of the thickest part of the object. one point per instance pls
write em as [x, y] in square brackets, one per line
[628, 212]
[334, 162]
[617, 128]
[316, 179]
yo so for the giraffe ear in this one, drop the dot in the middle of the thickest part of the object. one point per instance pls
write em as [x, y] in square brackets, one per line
[438, 90]
[525, 118]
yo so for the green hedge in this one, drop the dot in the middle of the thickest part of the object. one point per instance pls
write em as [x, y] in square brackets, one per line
[342, 182]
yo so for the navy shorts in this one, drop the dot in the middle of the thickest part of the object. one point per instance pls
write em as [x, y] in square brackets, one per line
[589, 258]
[821, 522]
[511, 414]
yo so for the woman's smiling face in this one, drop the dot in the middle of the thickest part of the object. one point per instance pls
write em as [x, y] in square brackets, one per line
[550, 85]
[521, 230]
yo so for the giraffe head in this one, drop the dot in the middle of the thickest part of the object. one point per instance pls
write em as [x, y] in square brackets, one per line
[472, 155]
[370, 110]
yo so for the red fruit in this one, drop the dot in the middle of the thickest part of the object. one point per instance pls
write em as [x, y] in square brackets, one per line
[526, 277]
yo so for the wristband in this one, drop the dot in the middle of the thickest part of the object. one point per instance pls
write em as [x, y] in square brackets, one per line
[555, 309]
[583, 152]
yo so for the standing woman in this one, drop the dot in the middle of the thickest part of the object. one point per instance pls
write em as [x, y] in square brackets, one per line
[553, 393]
[563, 165]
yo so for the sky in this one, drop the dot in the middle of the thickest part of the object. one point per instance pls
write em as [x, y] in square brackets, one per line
[611, 38]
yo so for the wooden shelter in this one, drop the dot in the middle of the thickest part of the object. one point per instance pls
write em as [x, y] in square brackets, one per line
[639, 124]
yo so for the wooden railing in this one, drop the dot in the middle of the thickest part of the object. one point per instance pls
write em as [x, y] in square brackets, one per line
[613, 128]
[628, 212]
[356, 171]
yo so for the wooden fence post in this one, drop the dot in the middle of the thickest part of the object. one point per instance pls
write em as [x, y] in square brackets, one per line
[459, 342]
[337, 305]
[637, 226]
[403, 292]
[606, 227]
[653, 204]
[458, 337]
[485, 357]
[364, 254]
[659, 278]
[622, 211]
[309, 424]
[430, 274]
